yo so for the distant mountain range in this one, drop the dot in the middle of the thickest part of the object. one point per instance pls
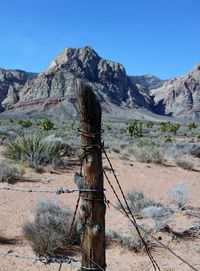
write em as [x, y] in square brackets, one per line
[54, 90]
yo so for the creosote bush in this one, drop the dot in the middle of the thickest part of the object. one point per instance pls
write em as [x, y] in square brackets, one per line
[9, 173]
[148, 153]
[25, 123]
[159, 214]
[134, 128]
[131, 242]
[49, 234]
[184, 163]
[46, 125]
[195, 151]
[138, 202]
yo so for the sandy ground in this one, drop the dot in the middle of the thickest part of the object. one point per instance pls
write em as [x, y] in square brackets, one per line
[153, 180]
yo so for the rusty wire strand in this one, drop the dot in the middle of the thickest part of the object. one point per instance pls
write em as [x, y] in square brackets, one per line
[58, 191]
[45, 260]
[157, 241]
[130, 214]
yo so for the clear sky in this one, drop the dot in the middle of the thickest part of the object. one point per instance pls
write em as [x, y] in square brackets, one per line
[161, 37]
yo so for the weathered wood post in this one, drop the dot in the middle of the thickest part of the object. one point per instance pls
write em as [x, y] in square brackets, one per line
[92, 209]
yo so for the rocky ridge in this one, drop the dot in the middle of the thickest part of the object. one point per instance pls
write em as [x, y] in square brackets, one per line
[147, 81]
[107, 78]
[179, 96]
[54, 90]
[11, 83]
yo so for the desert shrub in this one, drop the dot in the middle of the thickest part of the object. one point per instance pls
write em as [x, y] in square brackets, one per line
[195, 151]
[191, 126]
[46, 125]
[123, 145]
[148, 153]
[5, 131]
[134, 128]
[176, 149]
[49, 234]
[9, 173]
[159, 214]
[37, 149]
[131, 242]
[125, 156]
[167, 138]
[145, 142]
[107, 126]
[25, 123]
[184, 163]
[173, 128]
[115, 149]
[2, 139]
[149, 124]
[179, 195]
[137, 201]
[164, 126]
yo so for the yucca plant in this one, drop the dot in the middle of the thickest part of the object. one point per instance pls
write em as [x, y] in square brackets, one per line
[35, 149]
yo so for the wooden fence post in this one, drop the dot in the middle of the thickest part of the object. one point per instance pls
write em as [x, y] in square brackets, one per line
[92, 209]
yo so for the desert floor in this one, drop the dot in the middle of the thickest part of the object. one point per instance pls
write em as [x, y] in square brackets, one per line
[153, 180]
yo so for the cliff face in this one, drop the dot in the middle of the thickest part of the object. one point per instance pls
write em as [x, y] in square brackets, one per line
[108, 79]
[54, 90]
[147, 81]
[11, 82]
[179, 96]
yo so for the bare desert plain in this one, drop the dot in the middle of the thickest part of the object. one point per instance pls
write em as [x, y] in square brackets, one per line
[152, 179]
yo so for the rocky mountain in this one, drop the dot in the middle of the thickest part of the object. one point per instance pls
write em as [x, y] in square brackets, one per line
[179, 96]
[54, 90]
[57, 85]
[11, 82]
[147, 81]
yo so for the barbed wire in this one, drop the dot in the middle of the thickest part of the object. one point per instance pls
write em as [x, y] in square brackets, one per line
[129, 214]
[156, 240]
[44, 260]
[58, 191]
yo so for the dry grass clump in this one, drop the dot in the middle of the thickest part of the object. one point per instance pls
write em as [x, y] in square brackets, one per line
[131, 242]
[137, 201]
[10, 173]
[147, 151]
[184, 163]
[159, 214]
[195, 151]
[179, 195]
[49, 234]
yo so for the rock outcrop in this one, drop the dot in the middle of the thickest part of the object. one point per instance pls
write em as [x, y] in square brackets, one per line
[11, 82]
[147, 81]
[179, 96]
[54, 90]
[107, 78]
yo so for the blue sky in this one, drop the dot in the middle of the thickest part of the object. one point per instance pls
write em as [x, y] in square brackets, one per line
[161, 37]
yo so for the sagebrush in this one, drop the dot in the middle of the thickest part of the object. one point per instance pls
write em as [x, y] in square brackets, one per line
[49, 233]
[10, 173]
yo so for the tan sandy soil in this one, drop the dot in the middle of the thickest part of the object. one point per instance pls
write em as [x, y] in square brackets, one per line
[153, 180]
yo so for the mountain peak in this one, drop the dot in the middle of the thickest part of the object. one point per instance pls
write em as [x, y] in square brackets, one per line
[197, 66]
[68, 55]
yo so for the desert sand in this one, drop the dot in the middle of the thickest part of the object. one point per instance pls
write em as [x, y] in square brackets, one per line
[153, 180]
